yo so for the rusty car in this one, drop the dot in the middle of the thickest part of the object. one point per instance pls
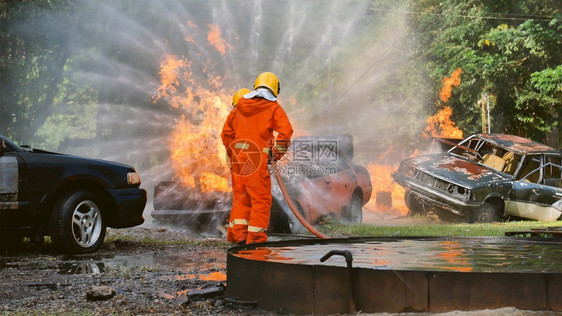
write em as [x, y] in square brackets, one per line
[485, 178]
[319, 173]
[324, 182]
[69, 198]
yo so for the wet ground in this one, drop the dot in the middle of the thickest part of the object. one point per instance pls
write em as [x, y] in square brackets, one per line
[153, 270]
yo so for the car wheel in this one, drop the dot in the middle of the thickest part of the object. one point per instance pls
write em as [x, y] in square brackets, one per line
[414, 206]
[354, 214]
[291, 222]
[485, 214]
[77, 224]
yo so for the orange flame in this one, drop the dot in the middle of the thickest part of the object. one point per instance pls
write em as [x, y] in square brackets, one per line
[383, 183]
[170, 69]
[387, 195]
[190, 38]
[197, 154]
[448, 83]
[440, 125]
[381, 179]
[216, 40]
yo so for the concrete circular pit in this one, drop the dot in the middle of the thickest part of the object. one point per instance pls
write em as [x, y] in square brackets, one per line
[410, 274]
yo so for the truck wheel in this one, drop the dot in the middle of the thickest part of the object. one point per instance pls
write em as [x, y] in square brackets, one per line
[76, 224]
[485, 214]
[354, 213]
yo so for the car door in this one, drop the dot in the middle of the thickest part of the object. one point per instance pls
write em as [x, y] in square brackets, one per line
[531, 197]
[9, 177]
[342, 185]
[311, 165]
[315, 197]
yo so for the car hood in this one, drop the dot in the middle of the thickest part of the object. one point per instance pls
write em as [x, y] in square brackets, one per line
[456, 170]
[77, 160]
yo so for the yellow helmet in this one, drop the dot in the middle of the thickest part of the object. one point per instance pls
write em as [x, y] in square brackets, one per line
[240, 93]
[268, 80]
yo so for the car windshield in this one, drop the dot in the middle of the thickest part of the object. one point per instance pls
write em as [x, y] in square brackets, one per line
[9, 144]
[550, 173]
[487, 153]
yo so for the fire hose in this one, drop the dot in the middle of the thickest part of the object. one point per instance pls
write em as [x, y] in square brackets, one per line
[292, 205]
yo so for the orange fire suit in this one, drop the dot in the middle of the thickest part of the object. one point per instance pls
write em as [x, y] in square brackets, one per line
[248, 137]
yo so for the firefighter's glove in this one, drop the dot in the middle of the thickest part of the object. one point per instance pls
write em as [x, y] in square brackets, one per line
[278, 152]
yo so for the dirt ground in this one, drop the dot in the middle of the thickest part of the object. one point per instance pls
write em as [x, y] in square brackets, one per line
[153, 270]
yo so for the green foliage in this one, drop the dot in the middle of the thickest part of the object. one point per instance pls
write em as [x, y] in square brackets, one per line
[500, 46]
[74, 70]
[540, 99]
[34, 61]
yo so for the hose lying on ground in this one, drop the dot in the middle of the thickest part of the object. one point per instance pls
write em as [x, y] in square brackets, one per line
[292, 205]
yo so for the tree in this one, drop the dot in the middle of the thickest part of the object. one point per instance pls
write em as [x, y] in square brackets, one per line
[32, 60]
[503, 47]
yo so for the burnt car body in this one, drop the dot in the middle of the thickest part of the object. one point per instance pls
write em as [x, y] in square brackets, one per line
[72, 199]
[320, 176]
[484, 178]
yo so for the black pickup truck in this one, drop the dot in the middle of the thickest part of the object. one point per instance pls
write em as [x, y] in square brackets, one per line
[72, 199]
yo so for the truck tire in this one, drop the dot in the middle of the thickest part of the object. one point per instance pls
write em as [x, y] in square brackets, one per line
[76, 224]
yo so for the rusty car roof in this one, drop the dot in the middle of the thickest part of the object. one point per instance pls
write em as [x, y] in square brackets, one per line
[517, 144]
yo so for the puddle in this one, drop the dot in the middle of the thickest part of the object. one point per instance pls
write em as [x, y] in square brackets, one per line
[190, 263]
[81, 268]
[459, 254]
[209, 276]
[182, 261]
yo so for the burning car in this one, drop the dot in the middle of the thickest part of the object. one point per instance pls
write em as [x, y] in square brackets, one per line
[484, 178]
[72, 199]
[320, 176]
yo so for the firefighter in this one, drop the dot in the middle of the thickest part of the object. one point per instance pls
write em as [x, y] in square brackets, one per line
[226, 140]
[248, 137]
[239, 94]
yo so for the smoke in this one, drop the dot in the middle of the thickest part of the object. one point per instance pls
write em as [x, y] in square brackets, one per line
[343, 67]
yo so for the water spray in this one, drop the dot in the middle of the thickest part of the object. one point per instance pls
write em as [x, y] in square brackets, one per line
[292, 205]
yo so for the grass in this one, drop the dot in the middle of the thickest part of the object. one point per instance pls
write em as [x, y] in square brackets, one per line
[151, 241]
[335, 229]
